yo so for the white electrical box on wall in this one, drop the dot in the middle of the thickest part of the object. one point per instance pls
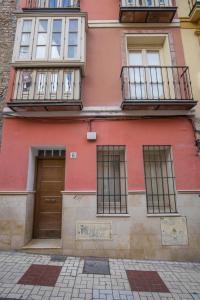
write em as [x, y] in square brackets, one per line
[91, 136]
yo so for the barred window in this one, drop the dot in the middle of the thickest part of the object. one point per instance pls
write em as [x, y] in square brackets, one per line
[111, 180]
[159, 179]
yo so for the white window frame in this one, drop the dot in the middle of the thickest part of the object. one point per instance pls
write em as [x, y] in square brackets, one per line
[64, 39]
[78, 57]
[36, 37]
[16, 53]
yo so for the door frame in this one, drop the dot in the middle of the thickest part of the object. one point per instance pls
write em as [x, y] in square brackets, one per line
[37, 158]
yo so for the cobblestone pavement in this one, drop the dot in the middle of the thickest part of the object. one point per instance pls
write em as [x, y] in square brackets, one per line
[181, 279]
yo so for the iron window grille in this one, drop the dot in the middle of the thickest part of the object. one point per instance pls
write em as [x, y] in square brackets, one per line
[111, 180]
[159, 180]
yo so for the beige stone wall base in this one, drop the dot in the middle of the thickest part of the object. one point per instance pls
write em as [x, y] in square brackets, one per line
[16, 219]
[137, 236]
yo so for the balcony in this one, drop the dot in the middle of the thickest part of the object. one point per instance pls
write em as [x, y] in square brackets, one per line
[194, 10]
[46, 90]
[72, 5]
[147, 11]
[156, 88]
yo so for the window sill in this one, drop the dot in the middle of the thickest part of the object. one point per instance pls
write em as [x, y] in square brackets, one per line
[113, 215]
[164, 215]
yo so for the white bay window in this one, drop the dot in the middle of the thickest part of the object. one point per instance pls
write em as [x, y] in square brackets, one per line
[50, 39]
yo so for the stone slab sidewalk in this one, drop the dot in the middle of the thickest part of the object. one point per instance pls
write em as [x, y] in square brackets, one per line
[71, 282]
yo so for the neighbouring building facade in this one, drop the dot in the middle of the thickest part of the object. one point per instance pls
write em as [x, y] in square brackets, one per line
[99, 150]
[7, 34]
[190, 30]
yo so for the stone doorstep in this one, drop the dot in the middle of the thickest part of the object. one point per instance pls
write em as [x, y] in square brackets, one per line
[44, 244]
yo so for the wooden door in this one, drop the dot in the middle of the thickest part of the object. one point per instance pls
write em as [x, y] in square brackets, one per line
[48, 205]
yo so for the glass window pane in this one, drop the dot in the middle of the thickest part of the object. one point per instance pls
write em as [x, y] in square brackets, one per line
[54, 82]
[135, 58]
[41, 3]
[24, 52]
[68, 82]
[25, 39]
[149, 2]
[73, 25]
[27, 24]
[66, 3]
[153, 58]
[40, 52]
[72, 51]
[43, 24]
[73, 38]
[55, 52]
[56, 39]
[53, 3]
[42, 39]
[57, 25]
[41, 83]
[26, 81]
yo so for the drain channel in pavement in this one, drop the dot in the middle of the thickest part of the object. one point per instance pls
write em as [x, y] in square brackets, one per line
[96, 266]
[58, 258]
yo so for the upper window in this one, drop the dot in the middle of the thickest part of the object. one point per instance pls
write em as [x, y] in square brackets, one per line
[53, 4]
[146, 82]
[159, 179]
[147, 3]
[25, 43]
[111, 180]
[52, 39]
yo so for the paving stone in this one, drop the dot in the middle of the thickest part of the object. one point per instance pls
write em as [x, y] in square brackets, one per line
[146, 281]
[41, 275]
[182, 279]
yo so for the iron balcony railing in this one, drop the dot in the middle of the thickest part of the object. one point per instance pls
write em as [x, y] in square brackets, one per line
[52, 4]
[47, 85]
[156, 83]
[147, 3]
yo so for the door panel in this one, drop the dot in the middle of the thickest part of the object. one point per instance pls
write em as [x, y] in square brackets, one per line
[48, 208]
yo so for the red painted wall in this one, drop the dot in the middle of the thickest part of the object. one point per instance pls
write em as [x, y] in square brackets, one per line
[101, 87]
[20, 135]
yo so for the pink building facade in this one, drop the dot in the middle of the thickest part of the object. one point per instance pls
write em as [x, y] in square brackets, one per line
[98, 155]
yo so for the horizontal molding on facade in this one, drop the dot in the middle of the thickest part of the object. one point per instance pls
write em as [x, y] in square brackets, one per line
[185, 23]
[78, 192]
[163, 215]
[45, 64]
[117, 24]
[112, 215]
[16, 192]
[188, 191]
[50, 14]
[130, 192]
[98, 112]
[136, 192]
